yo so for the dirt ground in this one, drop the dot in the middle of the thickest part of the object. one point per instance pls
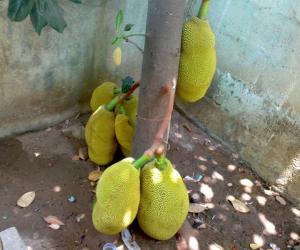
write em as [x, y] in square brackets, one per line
[42, 162]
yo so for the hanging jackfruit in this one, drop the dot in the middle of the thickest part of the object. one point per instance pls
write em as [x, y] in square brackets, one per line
[118, 197]
[197, 61]
[102, 95]
[124, 133]
[100, 136]
[131, 107]
[164, 201]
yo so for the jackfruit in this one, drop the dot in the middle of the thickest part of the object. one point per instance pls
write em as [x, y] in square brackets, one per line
[164, 201]
[117, 56]
[124, 133]
[100, 136]
[197, 61]
[131, 107]
[102, 95]
[118, 197]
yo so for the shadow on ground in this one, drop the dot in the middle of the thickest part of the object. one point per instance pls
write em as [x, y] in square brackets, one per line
[42, 162]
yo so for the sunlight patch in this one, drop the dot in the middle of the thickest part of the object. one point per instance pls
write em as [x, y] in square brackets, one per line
[217, 176]
[215, 246]
[257, 239]
[261, 200]
[269, 226]
[231, 167]
[156, 176]
[193, 243]
[206, 191]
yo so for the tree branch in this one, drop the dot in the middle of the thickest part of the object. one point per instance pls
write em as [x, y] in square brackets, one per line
[157, 147]
[134, 44]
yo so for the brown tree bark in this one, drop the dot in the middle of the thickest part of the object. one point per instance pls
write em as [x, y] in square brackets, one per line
[160, 66]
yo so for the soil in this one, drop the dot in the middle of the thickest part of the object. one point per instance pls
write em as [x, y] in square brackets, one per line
[42, 162]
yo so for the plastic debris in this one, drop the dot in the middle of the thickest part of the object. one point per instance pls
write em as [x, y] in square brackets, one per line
[273, 246]
[128, 240]
[109, 246]
[26, 199]
[197, 178]
[72, 199]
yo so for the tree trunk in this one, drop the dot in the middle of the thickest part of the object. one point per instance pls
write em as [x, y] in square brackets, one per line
[160, 66]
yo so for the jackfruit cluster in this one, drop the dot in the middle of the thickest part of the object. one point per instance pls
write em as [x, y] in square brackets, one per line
[157, 196]
[106, 129]
[197, 61]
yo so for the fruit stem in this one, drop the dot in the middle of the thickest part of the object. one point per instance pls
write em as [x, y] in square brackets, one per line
[160, 162]
[122, 110]
[157, 147]
[133, 88]
[203, 9]
[117, 91]
[112, 104]
[140, 162]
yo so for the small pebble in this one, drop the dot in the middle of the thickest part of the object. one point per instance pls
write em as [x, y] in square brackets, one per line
[72, 199]
[229, 184]
[194, 197]
[4, 217]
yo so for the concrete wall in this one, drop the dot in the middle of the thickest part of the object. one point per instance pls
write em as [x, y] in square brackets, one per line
[254, 102]
[46, 79]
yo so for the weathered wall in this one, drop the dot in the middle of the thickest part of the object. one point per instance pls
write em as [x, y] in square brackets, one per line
[46, 79]
[253, 105]
[254, 102]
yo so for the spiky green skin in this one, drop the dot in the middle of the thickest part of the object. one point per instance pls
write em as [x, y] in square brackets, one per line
[131, 107]
[102, 95]
[118, 197]
[197, 61]
[100, 136]
[124, 133]
[164, 201]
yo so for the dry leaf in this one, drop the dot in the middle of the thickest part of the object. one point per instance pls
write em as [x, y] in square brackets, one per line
[238, 205]
[75, 158]
[197, 208]
[254, 246]
[94, 175]
[281, 200]
[83, 153]
[50, 219]
[54, 226]
[26, 199]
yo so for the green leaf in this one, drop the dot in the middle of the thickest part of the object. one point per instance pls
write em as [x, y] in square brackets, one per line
[119, 20]
[117, 40]
[37, 16]
[54, 15]
[76, 1]
[128, 27]
[18, 10]
[127, 83]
